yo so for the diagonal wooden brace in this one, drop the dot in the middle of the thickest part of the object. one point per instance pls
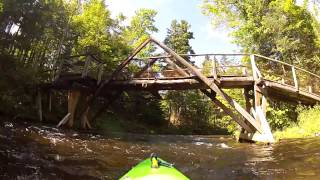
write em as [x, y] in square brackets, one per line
[212, 86]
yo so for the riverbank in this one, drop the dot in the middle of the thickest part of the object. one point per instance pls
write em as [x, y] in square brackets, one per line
[307, 126]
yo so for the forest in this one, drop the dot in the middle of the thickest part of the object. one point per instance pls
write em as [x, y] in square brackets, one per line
[36, 34]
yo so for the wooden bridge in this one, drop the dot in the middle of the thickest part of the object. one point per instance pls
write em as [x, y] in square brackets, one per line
[258, 76]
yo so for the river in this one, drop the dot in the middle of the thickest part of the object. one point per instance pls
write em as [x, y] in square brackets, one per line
[30, 151]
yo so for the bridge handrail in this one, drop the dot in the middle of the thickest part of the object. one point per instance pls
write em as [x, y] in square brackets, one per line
[220, 64]
[287, 64]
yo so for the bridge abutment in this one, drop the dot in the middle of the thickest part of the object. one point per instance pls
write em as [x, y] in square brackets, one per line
[265, 136]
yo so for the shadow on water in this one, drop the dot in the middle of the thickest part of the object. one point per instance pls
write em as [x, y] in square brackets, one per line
[43, 152]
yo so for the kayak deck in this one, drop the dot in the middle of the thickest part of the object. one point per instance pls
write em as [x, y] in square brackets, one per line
[144, 171]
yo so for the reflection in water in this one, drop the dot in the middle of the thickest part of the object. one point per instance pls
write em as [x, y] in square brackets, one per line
[42, 152]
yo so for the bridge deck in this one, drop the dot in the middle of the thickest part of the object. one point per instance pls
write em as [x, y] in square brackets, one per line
[259, 76]
[273, 89]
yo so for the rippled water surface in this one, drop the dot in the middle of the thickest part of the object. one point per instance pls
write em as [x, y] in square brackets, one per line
[42, 152]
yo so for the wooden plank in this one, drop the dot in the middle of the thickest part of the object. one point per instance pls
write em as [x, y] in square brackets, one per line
[64, 120]
[212, 86]
[177, 83]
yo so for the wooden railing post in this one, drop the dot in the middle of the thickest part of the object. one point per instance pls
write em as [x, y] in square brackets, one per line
[214, 68]
[244, 71]
[295, 80]
[283, 75]
[253, 66]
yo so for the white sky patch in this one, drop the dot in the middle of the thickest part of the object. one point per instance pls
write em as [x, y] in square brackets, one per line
[216, 33]
[207, 38]
[126, 7]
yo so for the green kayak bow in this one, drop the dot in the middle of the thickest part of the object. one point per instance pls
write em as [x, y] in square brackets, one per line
[154, 168]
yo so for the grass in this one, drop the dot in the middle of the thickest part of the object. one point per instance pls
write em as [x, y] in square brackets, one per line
[308, 125]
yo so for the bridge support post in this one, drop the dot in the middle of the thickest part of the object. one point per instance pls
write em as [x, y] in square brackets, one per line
[259, 113]
[73, 98]
[259, 110]
[85, 118]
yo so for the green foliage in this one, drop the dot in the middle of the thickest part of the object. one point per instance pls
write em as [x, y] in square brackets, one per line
[281, 115]
[93, 25]
[140, 28]
[308, 124]
[184, 108]
[178, 37]
[1, 6]
[36, 34]
[279, 28]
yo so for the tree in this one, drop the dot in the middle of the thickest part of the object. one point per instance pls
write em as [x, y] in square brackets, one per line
[93, 22]
[1, 6]
[178, 37]
[141, 27]
[278, 29]
[183, 107]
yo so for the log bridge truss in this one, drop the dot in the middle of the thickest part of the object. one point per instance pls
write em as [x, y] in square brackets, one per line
[258, 76]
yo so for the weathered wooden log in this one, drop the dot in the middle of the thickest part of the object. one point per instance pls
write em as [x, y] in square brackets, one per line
[178, 83]
[64, 120]
[73, 98]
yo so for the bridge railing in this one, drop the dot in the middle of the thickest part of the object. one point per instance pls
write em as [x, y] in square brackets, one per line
[82, 65]
[212, 65]
[240, 64]
[287, 74]
[222, 65]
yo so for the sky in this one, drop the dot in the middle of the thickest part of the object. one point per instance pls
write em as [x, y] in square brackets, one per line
[206, 38]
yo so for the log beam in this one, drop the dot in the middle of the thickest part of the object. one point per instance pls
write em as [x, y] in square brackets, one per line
[212, 86]
[73, 99]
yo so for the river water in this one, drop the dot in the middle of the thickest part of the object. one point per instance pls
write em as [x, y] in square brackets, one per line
[42, 152]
